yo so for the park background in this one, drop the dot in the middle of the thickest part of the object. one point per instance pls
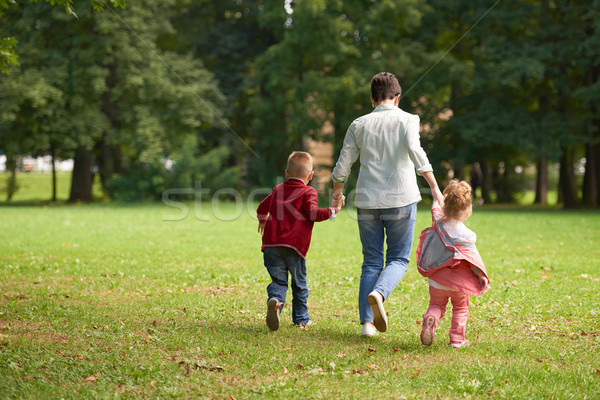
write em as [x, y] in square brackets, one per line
[130, 263]
[161, 94]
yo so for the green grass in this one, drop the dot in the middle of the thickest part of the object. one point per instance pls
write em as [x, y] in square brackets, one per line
[116, 301]
[37, 187]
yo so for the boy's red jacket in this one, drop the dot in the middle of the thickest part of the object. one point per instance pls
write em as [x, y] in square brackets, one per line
[290, 212]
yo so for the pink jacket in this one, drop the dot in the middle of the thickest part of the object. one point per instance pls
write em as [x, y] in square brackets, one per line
[448, 261]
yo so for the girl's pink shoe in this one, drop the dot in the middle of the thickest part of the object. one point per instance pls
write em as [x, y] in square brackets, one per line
[457, 345]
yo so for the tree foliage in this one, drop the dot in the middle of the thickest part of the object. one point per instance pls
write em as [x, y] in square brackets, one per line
[117, 97]
[228, 88]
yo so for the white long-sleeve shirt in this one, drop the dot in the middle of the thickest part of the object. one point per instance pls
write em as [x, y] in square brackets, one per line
[388, 145]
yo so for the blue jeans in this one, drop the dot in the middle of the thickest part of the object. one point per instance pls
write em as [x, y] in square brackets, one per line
[398, 224]
[280, 261]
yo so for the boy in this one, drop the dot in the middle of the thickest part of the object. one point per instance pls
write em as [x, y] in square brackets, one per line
[285, 221]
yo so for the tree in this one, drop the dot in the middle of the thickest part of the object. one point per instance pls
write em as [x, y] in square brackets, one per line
[226, 36]
[8, 56]
[127, 103]
[320, 68]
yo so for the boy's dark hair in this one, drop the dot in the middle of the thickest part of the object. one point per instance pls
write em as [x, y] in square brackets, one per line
[384, 86]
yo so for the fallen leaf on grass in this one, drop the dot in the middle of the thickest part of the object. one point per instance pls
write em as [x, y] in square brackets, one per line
[547, 268]
[91, 378]
[372, 366]
[396, 348]
[210, 367]
[358, 371]
[371, 350]
[492, 393]
[417, 373]
[285, 371]
[299, 366]
[598, 372]
[341, 355]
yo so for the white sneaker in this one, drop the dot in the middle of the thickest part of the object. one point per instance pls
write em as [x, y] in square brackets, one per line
[379, 316]
[368, 330]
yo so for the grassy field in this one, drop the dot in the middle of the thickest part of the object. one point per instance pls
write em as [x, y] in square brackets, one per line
[114, 301]
[36, 187]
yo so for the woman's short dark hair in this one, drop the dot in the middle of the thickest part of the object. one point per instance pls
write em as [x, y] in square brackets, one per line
[384, 86]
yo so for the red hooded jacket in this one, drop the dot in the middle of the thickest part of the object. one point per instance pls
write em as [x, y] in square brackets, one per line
[290, 212]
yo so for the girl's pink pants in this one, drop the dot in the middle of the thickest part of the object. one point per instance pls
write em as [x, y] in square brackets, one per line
[438, 299]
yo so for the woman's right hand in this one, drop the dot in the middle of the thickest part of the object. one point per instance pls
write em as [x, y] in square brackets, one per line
[338, 202]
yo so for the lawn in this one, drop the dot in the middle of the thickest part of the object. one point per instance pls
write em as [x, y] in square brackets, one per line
[37, 187]
[154, 301]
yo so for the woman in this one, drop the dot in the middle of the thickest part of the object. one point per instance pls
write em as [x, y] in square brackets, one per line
[387, 143]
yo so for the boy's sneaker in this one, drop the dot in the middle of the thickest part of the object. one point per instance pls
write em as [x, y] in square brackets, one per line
[457, 345]
[368, 330]
[379, 316]
[273, 310]
[427, 330]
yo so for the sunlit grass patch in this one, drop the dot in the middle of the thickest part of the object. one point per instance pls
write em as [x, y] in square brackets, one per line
[106, 300]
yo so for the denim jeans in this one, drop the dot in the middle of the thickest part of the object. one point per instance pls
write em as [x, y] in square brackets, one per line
[397, 225]
[280, 261]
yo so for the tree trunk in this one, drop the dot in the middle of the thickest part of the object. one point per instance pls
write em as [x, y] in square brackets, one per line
[541, 182]
[567, 183]
[590, 181]
[597, 158]
[502, 185]
[53, 156]
[11, 181]
[110, 162]
[81, 179]
[485, 181]
[459, 171]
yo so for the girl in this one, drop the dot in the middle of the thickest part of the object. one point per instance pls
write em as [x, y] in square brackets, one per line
[448, 257]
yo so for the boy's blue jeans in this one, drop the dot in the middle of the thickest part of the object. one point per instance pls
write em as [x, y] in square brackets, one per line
[280, 261]
[374, 225]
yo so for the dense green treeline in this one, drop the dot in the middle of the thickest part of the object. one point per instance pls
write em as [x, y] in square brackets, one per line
[164, 94]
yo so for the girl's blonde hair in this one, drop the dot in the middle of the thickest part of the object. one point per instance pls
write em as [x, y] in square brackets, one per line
[457, 200]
